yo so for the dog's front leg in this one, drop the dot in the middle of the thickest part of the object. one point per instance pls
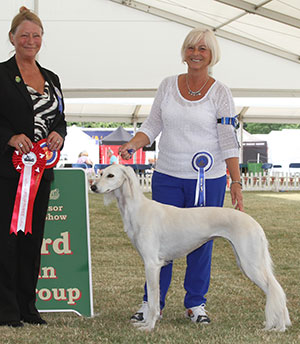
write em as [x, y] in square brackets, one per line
[152, 277]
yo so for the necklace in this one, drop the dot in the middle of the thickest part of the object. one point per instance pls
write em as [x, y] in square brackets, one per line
[196, 93]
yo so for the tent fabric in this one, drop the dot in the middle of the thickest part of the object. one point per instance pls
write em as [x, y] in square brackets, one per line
[117, 137]
[77, 141]
[283, 148]
[259, 42]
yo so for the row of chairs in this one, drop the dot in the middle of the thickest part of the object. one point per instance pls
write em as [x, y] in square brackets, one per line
[265, 166]
[268, 166]
[84, 166]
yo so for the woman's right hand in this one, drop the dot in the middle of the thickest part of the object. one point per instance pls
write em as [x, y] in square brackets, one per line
[127, 150]
[21, 143]
[138, 141]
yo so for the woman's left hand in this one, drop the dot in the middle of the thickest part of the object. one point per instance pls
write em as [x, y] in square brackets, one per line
[54, 141]
[237, 196]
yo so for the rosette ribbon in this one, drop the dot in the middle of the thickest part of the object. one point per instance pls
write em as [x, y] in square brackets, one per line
[31, 166]
[201, 162]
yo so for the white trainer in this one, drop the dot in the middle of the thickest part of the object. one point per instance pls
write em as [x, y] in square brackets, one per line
[197, 314]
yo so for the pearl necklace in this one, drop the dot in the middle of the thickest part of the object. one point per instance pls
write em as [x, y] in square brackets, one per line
[196, 93]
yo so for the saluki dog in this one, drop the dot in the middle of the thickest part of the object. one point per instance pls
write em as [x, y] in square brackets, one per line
[161, 233]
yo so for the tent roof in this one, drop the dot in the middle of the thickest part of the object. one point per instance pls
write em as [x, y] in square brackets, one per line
[115, 53]
[272, 25]
[117, 137]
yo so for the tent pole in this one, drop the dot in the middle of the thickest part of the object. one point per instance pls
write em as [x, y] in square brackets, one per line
[241, 141]
[36, 11]
[241, 120]
[134, 132]
[36, 7]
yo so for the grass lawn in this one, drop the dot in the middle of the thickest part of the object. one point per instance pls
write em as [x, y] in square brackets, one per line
[235, 305]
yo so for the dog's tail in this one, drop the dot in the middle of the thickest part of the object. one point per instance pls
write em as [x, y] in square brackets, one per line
[255, 261]
[276, 312]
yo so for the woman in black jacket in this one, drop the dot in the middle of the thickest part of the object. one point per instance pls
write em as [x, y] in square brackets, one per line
[31, 109]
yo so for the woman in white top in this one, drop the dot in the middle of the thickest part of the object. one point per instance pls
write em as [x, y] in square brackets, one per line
[195, 115]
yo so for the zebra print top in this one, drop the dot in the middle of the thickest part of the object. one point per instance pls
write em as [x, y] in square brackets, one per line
[45, 109]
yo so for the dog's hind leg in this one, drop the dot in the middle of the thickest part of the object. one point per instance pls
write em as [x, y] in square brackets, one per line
[254, 260]
[152, 271]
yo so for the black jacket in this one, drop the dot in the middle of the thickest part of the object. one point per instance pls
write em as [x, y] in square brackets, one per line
[16, 113]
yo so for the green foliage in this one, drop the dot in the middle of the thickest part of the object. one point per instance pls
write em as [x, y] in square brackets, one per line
[252, 128]
[102, 124]
[266, 128]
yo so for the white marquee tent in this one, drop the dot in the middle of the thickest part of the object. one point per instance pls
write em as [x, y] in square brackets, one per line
[283, 148]
[112, 54]
[76, 142]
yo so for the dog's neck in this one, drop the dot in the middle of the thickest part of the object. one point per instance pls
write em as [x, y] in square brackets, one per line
[130, 199]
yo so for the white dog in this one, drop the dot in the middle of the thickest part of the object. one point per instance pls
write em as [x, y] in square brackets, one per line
[161, 233]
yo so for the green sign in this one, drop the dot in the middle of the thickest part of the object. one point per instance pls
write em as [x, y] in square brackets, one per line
[65, 282]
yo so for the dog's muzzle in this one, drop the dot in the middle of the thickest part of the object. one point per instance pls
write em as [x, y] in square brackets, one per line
[94, 188]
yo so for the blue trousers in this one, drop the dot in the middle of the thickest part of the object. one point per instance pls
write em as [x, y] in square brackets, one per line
[181, 193]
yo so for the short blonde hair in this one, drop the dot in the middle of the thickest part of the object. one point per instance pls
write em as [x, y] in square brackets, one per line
[83, 153]
[210, 40]
[24, 14]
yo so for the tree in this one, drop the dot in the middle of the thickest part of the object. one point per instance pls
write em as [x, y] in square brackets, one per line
[266, 128]
[102, 124]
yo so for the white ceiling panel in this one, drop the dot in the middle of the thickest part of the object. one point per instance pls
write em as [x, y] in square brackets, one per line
[123, 48]
[268, 32]
[287, 7]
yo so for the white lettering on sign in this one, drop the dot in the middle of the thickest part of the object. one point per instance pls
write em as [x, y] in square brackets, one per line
[71, 295]
[56, 217]
[47, 273]
[59, 246]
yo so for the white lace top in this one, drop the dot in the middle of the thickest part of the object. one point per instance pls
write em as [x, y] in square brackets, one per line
[188, 127]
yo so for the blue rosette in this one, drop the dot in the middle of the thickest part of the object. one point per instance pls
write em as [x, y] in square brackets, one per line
[201, 162]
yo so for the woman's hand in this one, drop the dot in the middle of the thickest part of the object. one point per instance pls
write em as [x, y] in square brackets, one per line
[138, 141]
[21, 143]
[235, 187]
[54, 141]
[127, 150]
[237, 196]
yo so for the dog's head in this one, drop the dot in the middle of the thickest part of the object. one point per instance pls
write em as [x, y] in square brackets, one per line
[112, 178]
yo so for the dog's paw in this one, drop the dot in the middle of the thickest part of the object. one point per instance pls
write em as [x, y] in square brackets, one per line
[144, 326]
[138, 324]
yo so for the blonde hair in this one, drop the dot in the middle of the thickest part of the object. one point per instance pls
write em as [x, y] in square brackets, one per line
[83, 153]
[210, 40]
[24, 14]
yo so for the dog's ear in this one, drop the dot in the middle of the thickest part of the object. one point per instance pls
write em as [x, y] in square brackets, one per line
[130, 177]
[108, 198]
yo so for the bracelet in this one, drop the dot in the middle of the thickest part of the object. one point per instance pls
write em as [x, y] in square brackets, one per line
[236, 182]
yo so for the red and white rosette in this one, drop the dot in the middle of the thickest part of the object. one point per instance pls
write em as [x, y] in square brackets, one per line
[31, 166]
[52, 157]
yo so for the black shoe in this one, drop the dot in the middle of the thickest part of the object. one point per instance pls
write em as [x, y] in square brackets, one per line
[35, 321]
[11, 323]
